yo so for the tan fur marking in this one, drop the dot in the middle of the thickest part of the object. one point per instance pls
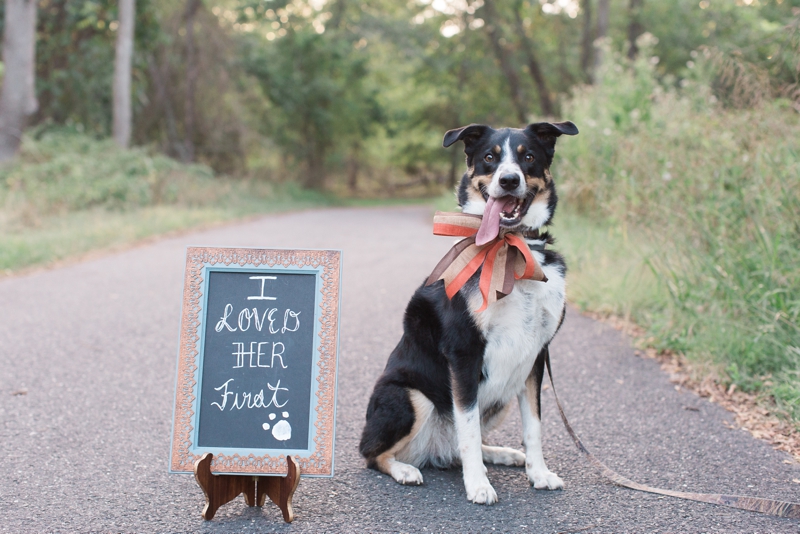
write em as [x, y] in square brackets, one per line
[547, 176]
[530, 383]
[520, 149]
[477, 182]
[535, 182]
[382, 462]
[497, 149]
[493, 421]
[474, 196]
[543, 196]
[454, 392]
[456, 395]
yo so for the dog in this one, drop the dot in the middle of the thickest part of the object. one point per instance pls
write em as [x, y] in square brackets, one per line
[455, 371]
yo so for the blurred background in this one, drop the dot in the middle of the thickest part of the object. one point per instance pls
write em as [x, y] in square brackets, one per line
[680, 198]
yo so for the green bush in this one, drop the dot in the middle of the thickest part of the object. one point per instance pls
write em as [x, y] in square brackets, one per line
[66, 171]
[717, 192]
[67, 194]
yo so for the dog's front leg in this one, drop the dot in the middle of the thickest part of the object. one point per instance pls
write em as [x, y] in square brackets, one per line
[529, 406]
[468, 431]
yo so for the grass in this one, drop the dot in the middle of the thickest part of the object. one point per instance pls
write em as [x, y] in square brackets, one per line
[707, 201]
[67, 194]
[609, 268]
[73, 234]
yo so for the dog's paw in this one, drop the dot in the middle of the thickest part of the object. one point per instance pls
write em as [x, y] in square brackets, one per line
[503, 456]
[545, 480]
[481, 492]
[406, 474]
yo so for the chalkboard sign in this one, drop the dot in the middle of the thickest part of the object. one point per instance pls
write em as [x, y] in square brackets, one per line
[256, 374]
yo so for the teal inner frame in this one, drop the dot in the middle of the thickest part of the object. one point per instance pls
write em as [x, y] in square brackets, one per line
[244, 452]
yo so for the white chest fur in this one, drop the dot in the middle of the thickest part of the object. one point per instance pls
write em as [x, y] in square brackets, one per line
[516, 328]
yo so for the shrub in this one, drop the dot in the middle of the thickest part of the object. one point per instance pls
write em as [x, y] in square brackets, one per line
[718, 191]
[66, 171]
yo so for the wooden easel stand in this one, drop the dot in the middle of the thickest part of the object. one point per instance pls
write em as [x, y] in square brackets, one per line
[221, 489]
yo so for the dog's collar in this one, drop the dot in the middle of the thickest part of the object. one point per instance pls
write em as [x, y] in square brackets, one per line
[530, 234]
[534, 240]
[538, 246]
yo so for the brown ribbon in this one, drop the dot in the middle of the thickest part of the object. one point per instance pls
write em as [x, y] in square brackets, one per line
[502, 261]
[753, 504]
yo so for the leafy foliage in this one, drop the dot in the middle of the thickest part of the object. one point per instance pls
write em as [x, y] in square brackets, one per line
[718, 194]
[319, 99]
[75, 60]
[65, 171]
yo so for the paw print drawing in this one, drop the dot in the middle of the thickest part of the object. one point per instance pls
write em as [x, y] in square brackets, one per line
[282, 429]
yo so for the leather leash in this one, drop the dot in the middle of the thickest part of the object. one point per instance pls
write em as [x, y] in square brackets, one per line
[754, 504]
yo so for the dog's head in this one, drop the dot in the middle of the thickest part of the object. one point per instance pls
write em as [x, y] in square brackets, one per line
[509, 170]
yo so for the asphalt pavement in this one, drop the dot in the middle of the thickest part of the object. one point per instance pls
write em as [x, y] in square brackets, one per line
[88, 354]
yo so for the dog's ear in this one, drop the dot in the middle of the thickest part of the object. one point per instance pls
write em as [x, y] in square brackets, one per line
[544, 129]
[468, 134]
[547, 132]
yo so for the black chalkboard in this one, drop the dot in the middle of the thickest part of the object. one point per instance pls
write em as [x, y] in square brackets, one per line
[256, 376]
[257, 354]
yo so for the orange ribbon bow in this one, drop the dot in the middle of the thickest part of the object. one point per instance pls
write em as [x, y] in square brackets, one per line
[503, 260]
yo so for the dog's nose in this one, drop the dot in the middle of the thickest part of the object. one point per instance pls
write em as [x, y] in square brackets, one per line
[509, 182]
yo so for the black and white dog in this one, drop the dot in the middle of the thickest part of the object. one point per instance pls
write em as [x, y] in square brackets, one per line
[452, 377]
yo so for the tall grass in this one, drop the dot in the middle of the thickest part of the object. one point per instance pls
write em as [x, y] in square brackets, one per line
[67, 172]
[67, 194]
[716, 192]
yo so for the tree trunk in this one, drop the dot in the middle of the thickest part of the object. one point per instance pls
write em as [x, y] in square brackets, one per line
[452, 175]
[18, 99]
[353, 166]
[337, 15]
[315, 169]
[602, 31]
[189, 119]
[635, 28]
[164, 102]
[533, 64]
[587, 42]
[122, 73]
[316, 177]
[565, 76]
[500, 52]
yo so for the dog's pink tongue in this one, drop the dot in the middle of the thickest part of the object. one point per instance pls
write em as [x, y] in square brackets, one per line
[490, 225]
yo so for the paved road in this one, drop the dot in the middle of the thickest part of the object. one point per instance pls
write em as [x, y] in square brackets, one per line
[94, 344]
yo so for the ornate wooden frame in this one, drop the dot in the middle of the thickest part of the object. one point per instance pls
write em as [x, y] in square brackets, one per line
[326, 264]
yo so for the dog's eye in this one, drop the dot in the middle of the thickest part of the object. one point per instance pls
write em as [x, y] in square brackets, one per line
[488, 158]
[528, 158]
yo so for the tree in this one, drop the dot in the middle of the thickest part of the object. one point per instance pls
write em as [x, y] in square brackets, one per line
[122, 114]
[497, 42]
[534, 67]
[316, 84]
[190, 114]
[635, 28]
[587, 41]
[18, 99]
[600, 34]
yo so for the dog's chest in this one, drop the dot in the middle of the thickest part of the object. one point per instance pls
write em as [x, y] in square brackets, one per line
[516, 328]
